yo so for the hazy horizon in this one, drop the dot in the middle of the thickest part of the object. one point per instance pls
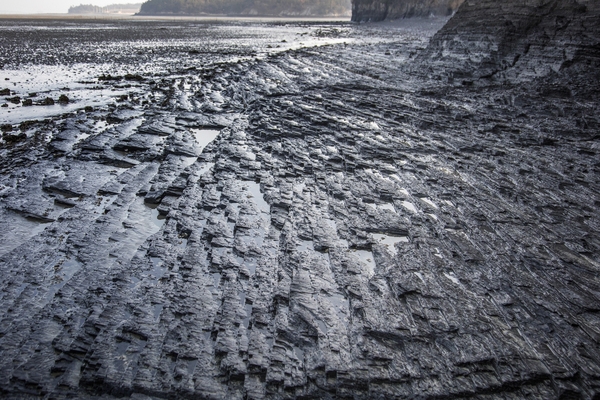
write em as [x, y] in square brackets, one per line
[54, 7]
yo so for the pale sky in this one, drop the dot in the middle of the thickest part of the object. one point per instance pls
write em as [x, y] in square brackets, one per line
[50, 6]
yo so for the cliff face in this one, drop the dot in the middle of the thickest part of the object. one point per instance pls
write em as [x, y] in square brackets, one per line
[520, 40]
[248, 7]
[377, 10]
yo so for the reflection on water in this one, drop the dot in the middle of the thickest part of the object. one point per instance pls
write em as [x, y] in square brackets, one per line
[63, 272]
[143, 221]
[16, 230]
[305, 245]
[155, 217]
[390, 241]
[205, 136]
[205, 168]
[257, 197]
[368, 261]
[409, 206]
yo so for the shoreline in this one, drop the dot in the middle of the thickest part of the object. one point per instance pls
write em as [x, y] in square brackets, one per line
[135, 17]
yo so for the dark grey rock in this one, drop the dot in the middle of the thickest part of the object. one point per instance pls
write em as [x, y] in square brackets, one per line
[361, 227]
[377, 10]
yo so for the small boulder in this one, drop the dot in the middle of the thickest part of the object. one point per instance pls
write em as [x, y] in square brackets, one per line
[27, 125]
[136, 77]
[5, 92]
[11, 138]
[27, 102]
[109, 78]
[63, 99]
[47, 102]
[14, 100]
[6, 128]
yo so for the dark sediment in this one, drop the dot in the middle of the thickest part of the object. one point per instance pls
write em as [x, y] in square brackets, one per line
[364, 225]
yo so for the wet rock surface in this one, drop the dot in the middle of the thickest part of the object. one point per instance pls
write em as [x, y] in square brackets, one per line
[298, 222]
[378, 10]
[521, 41]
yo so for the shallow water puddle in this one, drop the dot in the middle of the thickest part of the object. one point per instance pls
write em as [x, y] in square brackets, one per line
[191, 366]
[182, 243]
[429, 202]
[155, 217]
[340, 305]
[205, 168]
[17, 229]
[247, 307]
[246, 319]
[322, 326]
[305, 245]
[205, 136]
[63, 273]
[143, 221]
[368, 261]
[251, 266]
[156, 311]
[387, 206]
[158, 269]
[216, 276]
[254, 189]
[299, 353]
[453, 278]
[409, 206]
[390, 241]
[187, 161]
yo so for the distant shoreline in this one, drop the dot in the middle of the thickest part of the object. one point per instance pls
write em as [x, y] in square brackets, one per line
[134, 17]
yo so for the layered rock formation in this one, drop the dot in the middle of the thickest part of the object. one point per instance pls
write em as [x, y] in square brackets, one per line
[338, 222]
[381, 10]
[518, 41]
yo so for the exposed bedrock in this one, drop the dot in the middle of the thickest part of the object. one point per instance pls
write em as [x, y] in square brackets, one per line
[518, 41]
[381, 10]
[320, 223]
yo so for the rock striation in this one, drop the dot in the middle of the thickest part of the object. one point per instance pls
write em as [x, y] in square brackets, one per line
[519, 41]
[244, 221]
[382, 10]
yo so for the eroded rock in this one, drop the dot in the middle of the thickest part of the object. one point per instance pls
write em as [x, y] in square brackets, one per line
[320, 223]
